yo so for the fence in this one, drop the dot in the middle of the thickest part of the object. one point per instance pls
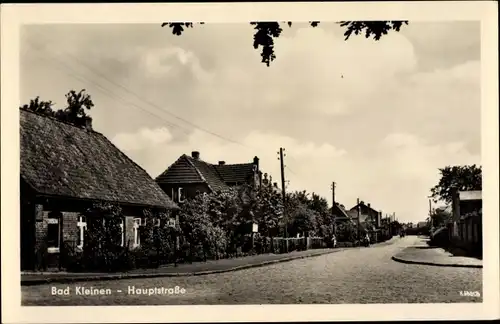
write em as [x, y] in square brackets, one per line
[284, 245]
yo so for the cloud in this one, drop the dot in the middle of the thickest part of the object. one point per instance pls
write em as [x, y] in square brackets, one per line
[171, 62]
[314, 70]
[143, 139]
[396, 177]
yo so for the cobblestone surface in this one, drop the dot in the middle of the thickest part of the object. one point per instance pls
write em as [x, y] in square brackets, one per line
[358, 275]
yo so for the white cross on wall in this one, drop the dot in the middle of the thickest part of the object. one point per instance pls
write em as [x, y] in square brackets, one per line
[81, 225]
[123, 232]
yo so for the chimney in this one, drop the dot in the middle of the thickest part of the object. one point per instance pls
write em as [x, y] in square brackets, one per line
[256, 162]
[275, 185]
[368, 205]
[87, 123]
[195, 155]
[265, 181]
[222, 162]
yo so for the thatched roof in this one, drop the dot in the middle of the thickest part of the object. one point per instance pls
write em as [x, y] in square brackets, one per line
[59, 159]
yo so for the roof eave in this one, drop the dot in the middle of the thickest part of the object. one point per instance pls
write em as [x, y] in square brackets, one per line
[46, 195]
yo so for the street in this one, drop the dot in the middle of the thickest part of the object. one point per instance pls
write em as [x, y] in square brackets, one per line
[353, 276]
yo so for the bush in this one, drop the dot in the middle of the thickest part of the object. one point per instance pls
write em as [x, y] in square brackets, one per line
[440, 238]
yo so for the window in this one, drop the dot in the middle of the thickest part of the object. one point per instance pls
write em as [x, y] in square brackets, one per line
[82, 225]
[137, 232]
[53, 232]
[171, 222]
[122, 227]
[180, 194]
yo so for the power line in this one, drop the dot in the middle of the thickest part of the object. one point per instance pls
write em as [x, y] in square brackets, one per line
[153, 104]
[107, 92]
[289, 169]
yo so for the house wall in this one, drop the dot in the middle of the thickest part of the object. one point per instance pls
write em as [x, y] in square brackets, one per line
[466, 232]
[35, 253]
[190, 190]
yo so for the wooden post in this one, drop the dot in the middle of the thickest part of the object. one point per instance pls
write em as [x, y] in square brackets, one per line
[358, 221]
[282, 165]
[333, 214]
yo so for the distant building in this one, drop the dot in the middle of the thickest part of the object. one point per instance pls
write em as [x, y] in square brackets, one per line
[367, 213]
[190, 175]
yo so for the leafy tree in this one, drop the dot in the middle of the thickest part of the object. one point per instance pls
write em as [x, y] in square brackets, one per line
[266, 32]
[439, 217]
[41, 107]
[346, 232]
[77, 103]
[269, 211]
[196, 221]
[102, 244]
[467, 177]
[324, 220]
[301, 218]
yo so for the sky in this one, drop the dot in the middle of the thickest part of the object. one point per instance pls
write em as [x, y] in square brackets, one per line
[377, 118]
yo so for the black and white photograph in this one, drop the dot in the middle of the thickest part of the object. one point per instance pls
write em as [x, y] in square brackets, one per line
[253, 162]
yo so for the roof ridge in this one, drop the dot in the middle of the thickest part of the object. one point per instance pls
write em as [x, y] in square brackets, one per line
[189, 159]
[228, 164]
[58, 120]
[170, 166]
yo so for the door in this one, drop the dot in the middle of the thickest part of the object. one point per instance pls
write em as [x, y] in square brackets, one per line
[27, 236]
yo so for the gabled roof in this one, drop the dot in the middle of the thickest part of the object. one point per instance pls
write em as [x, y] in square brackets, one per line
[59, 159]
[235, 172]
[340, 212]
[189, 170]
[363, 205]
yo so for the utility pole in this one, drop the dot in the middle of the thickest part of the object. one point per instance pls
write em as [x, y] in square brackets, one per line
[333, 213]
[430, 213]
[359, 214]
[285, 216]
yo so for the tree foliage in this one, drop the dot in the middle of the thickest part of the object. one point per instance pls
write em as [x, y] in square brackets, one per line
[75, 112]
[102, 243]
[466, 177]
[266, 32]
[439, 217]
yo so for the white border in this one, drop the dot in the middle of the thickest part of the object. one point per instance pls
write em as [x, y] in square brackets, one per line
[14, 15]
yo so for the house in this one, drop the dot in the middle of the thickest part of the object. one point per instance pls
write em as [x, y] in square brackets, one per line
[338, 211]
[190, 175]
[465, 227]
[269, 183]
[65, 169]
[367, 213]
